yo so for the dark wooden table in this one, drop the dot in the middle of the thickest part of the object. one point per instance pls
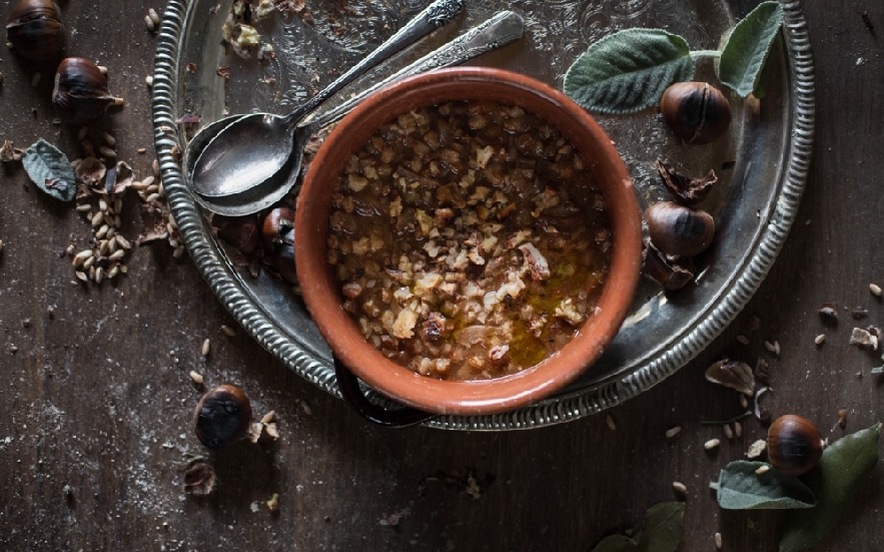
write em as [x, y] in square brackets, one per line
[95, 411]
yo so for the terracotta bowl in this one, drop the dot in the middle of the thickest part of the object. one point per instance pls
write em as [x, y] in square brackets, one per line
[324, 300]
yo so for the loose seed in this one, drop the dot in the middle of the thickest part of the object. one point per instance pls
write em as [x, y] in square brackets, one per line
[196, 377]
[756, 448]
[107, 152]
[876, 290]
[102, 205]
[738, 429]
[101, 233]
[728, 431]
[69, 250]
[718, 542]
[820, 339]
[149, 81]
[108, 138]
[152, 198]
[610, 421]
[269, 417]
[762, 469]
[35, 80]
[97, 219]
[81, 276]
[773, 348]
[207, 345]
[679, 487]
[81, 135]
[711, 444]
[743, 339]
[148, 22]
[87, 264]
[154, 16]
[122, 242]
[99, 275]
[744, 402]
[118, 205]
[117, 255]
[673, 431]
[155, 166]
[81, 257]
[102, 69]
[84, 208]
[228, 331]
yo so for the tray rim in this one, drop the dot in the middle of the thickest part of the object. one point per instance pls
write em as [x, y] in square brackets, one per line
[599, 397]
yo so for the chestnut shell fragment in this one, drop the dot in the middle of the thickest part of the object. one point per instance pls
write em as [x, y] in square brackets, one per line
[686, 190]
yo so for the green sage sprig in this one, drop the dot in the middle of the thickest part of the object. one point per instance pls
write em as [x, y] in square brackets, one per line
[628, 71]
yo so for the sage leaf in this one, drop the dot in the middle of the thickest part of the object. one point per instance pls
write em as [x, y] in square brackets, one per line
[843, 469]
[661, 533]
[628, 71]
[50, 170]
[739, 487]
[747, 48]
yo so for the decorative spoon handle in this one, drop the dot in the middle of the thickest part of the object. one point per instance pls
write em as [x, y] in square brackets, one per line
[503, 28]
[437, 14]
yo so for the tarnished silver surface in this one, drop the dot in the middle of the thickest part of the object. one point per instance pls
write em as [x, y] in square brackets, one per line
[765, 160]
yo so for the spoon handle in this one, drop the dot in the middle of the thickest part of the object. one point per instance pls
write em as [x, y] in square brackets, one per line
[503, 28]
[437, 14]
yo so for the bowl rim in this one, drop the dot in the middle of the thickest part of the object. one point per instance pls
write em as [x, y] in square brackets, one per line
[475, 396]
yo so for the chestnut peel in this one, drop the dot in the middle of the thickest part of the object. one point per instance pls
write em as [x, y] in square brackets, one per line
[80, 94]
[34, 29]
[686, 190]
[697, 112]
[679, 230]
[222, 417]
[794, 445]
[673, 273]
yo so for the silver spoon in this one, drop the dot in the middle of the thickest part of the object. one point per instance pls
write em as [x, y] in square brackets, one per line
[254, 147]
[503, 28]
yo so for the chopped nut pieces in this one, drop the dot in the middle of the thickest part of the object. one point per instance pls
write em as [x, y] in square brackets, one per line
[473, 244]
[733, 374]
[863, 338]
[273, 503]
[756, 449]
[828, 311]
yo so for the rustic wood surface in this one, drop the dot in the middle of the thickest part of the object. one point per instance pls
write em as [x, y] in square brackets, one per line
[95, 411]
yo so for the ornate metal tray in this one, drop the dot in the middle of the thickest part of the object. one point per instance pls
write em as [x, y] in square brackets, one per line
[762, 165]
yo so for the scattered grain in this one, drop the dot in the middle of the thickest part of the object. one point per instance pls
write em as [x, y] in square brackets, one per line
[876, 290]
[673, 431]
[196, 377]
[108, 138]
[762, 469]
[842, 418]
[269, 417]
[149, 81]
[742, 339]
[718, 542]
[148, 22]
[679, 487]
[728, 431]
[744, 401]
[820, 339]
[610, 421]
[772, 347]
[228, 331]
[711, 444]
[738, 429]
[207, 346]
[107, 152]
[305, 407]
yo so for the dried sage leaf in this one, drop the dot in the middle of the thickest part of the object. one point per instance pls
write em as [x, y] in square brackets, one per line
[844, 467]
[747, 48]
[740, 487]
[628, 71]
[661, 533]
[50, 170]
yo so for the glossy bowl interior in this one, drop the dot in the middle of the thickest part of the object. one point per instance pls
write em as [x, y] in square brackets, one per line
[321, 292]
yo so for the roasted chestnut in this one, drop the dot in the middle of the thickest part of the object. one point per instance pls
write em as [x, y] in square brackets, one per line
[679, 230]
[80, 94]
[278, 231]
[222, 417]
[241, 233]
[34, 29]
[794, 445]
[697, 112]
